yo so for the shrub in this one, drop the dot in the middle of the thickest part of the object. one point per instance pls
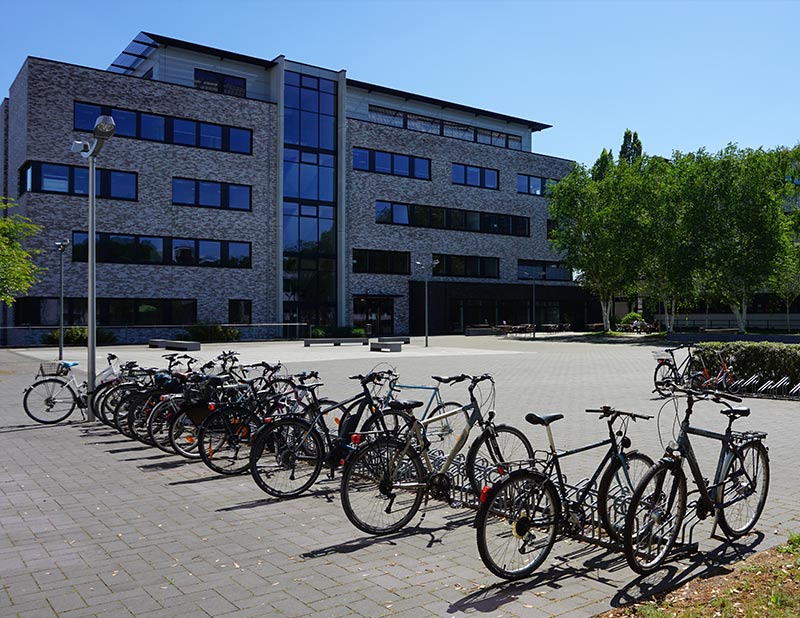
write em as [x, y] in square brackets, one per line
[746, 358]
[79, 335]
[211, 332]
[631, 318]
[337, 331]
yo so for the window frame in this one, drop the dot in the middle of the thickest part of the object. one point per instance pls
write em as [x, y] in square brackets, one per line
[455, 219]
[224, 188]
[415, 163]
[481, 176]
[32, 170]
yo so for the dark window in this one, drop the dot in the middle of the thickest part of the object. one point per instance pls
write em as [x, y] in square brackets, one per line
[437, 217]
[123, 185]
[240, 311]
[210, 194]
[86, 115]
[209, 253]
[542, 270]
[150, 250]
[400, 214]
[118, 248]
[532, 185]
[422, 168]
[38, 311]
[183, 191]
[184, 251]
[474, 176]
[391, 163]
[401, 165]
[184, 132]
[74, 180]
[466, 266]
[152, 127]
[458, 176]
[219, 82]
[125, 123]
[55, 178]
[240, 140]
[239, 254]
[383, 162]
[188, 192]
[381, 262]
[361, 159]
[211, 136]
[239, 197]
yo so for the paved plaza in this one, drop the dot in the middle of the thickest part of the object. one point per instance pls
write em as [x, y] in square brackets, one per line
[93, 524]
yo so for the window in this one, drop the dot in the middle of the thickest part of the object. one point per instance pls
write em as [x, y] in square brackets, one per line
[542, 270]
[466, 266]
[533, 185]
[134, 249]
[428, 124]
[43, 311]
[417, 215]
[382, 162]
[167, 129]
[188, 192]
[240, 311]
[219, 82]
[474, 176]
[73, 180]
[381, 262]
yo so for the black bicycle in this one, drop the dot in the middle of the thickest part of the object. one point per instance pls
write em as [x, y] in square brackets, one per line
[522, 514]
[669, 371]
[735, 496]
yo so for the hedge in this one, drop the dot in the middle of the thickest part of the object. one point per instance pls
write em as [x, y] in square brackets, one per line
[746, 358]
[79, 335]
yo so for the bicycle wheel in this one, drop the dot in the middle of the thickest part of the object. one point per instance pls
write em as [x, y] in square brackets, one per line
[183, 436]
[286, 457]
[443, 433]
[497, 444]
[113, 397]
[743, 491]
[383, 485]
[616, 488]
[224, 440]
[158, 425]
[654, 517]
[517, 524]
[138, 417]
[124, 409]
[49, 401]
[387, 422]
[664, 372]
[97, 402]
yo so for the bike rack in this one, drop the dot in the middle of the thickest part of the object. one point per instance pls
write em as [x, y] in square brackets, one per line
[795, 392]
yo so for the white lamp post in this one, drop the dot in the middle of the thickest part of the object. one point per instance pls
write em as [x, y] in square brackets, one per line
[62, 246]
[427, 277]
[104, 128]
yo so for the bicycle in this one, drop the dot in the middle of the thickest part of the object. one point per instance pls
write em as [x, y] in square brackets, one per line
[724, 380]
[386, 479]
[522, 514]
[735, 497]
[53, 398]
[669, 371]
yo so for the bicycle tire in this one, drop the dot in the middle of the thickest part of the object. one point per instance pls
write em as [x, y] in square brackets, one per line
[732, 483]
[495, 445]
[443, 434]
[112, 398]
[521, 511]
[100, 391]
[122, 412]
[665, 371]
[370, 489]
[158, 425]
[224, 439]
[286, 457]
[387, 422]
[139, 416]
[655, 516]
[183, 436]
[615, 490]
[45, 403]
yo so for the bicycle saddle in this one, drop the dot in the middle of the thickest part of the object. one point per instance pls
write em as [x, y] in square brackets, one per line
[404, 404]
[70, 363]
[736, 412]
[542, 419]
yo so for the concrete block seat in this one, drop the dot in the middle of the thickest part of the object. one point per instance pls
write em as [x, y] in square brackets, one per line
[169, 344]
[335, 341]
[386, 346]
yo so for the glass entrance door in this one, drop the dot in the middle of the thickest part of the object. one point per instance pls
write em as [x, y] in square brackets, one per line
[376, 311]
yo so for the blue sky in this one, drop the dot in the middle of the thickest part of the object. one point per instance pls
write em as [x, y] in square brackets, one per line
[684, 75]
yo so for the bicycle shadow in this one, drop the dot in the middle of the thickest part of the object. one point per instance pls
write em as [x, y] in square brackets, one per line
[703, 564]
[326, 494]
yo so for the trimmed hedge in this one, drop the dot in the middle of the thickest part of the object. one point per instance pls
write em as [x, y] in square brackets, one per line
[746, 358]
[79, 335]
[208, 333]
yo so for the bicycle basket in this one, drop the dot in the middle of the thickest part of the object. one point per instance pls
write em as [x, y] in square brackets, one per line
[53, 368]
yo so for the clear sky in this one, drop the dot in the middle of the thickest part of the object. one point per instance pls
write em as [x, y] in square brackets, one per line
[684, 75]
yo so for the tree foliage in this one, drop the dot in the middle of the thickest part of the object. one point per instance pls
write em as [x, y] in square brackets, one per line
[17, 270]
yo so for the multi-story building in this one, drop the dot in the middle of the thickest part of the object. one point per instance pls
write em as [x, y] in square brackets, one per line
[243, 190]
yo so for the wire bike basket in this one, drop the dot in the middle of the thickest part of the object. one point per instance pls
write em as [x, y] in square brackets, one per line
[53, 368]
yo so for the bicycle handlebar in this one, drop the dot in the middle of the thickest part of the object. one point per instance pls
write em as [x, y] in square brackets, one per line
[609, 411]
[715, 396]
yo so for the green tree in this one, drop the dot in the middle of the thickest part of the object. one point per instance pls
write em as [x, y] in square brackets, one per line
[603, 165]
[17, 270]
[785, 278]
[631, 148]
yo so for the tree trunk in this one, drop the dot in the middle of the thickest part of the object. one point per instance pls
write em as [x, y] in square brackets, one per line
[669, 314]
[741, 316]
[605, 306]
[788, 330]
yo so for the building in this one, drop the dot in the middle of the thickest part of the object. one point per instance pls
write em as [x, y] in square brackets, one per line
[244, 190]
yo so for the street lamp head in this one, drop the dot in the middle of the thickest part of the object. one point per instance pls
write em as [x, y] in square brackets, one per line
[62, 245]
[104, 127]
[79, 146]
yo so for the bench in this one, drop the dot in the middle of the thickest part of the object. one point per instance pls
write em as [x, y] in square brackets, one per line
[170, 344]
[394, 339]
[386, 346]
[719, 330]
[471, 331]
[335, 340]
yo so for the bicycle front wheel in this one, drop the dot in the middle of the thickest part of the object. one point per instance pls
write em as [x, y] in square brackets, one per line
[383, 485]
[286, 457]
[497, 444]
[224, 440]
[663, 373]
[654, 518]
[183, 436]
[517, 524]
[616, 489]
[743, 491]
[49, 401]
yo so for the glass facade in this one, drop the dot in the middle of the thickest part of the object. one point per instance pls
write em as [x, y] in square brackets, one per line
[309, 193]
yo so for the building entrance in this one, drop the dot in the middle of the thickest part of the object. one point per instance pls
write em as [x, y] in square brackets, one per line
[377, 311]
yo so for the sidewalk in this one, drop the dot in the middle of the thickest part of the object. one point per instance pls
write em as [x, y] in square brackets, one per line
[92, 524]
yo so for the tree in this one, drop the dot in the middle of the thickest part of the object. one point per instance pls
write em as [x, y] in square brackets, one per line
[17, 270]
[631, 148]
[785, 279]
[603, 165]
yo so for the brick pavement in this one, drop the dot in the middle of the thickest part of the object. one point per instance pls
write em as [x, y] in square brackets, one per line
[92, 524]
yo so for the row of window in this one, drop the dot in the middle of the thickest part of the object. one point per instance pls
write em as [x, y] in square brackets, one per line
[438, 217]
[138, 249]
[167, 129]
[220, 82]
[391, 163]
[473, 176]
[308, 175]
[435, 126]
[43, 311]
[533, 185]
[375, 261]
[40, 177]
[190, 192]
